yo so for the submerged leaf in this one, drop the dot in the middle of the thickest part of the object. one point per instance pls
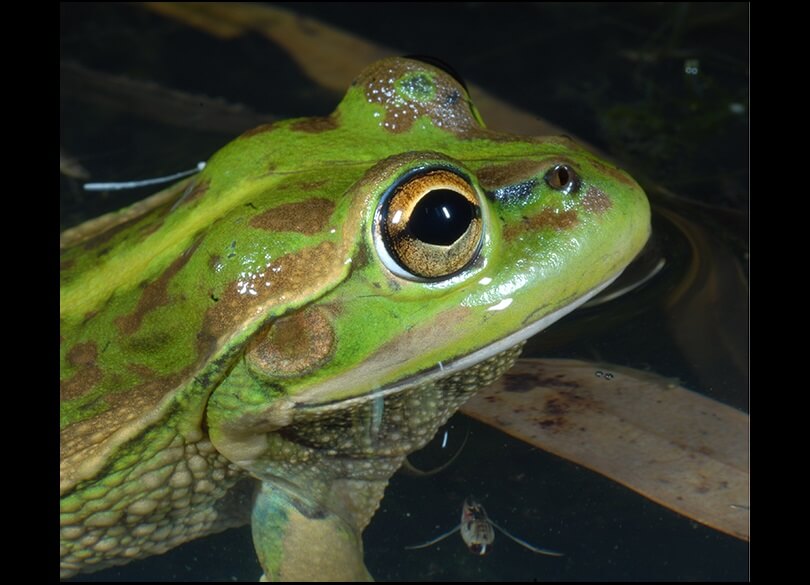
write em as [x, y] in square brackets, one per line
[676, 447]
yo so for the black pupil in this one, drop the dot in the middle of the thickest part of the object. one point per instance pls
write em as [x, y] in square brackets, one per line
[562, 176]
[441, 217]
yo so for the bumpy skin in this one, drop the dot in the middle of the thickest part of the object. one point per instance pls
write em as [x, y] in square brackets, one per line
[237, 341]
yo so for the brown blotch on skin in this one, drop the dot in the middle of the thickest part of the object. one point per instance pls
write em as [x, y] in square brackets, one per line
[360, 260]
[294, 345]
[152, 388]
[548, 218]
[150, 229]
[154, 294]
[83, 356]
[596, 200]
[150, 341]
[497, 176]
[84, 439]
[80, 383]
[315, 125]
[150, 221]
[311, 185]
[291, 276]
[257, 130]
[89, 316]
[142, 370]
[66, 264]
[142, 397]
[213, 260]
[206, 346]
[307, 217]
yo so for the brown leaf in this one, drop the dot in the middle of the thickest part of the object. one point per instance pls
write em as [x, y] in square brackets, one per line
[676, 447]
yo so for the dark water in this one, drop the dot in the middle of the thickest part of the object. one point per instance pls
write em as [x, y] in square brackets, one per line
[663, 88]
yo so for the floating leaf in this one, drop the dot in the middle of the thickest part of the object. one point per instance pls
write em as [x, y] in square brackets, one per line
[676, 447]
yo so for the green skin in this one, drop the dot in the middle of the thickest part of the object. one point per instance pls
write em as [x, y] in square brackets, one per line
[238, 348]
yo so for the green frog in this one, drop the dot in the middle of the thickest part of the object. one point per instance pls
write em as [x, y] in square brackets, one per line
[267, 341]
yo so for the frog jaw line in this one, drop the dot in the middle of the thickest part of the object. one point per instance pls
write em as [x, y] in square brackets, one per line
[521, 335]
[444, 369]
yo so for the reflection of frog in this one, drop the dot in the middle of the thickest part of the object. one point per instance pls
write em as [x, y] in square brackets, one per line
[294, 320]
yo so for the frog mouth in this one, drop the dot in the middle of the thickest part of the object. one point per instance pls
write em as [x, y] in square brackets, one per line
[533, 327]
[444, 369]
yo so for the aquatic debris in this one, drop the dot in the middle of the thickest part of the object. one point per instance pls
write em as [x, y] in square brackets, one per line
[478, 532]
[119, 185]
[71, 167]
[675, 447]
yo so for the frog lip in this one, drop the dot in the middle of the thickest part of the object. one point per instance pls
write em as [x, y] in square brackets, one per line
[444, 369]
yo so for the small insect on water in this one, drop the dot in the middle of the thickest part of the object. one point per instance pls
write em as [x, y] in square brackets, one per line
[478, 532]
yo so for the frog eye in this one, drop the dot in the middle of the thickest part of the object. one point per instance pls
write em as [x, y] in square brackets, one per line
[430, 225]
[563, 178]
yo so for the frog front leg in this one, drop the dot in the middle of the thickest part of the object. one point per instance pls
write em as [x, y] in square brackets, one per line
[298, 541]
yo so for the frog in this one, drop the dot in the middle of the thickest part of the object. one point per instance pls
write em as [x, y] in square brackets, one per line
[266, 341]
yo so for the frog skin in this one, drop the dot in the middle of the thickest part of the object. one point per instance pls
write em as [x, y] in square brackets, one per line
[267, 341]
